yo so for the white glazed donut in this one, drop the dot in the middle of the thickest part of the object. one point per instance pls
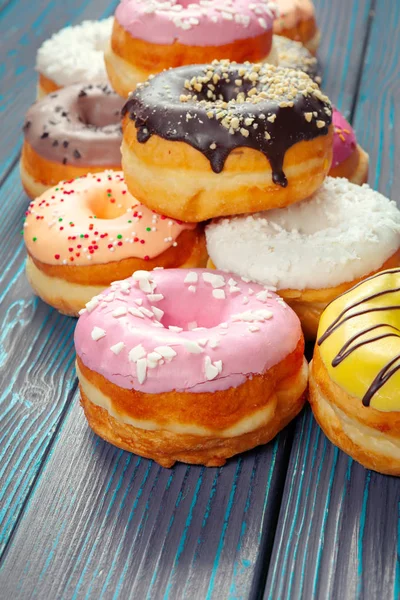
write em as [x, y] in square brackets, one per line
[313, 250]
[73, 55]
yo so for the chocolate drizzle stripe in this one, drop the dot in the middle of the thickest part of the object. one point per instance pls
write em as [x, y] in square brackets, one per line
[350, 346]
[231, 111]
[383, 377]
[348, 349]
[340, 320]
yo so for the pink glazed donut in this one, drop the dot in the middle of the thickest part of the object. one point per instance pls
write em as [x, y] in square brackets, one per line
[151, 36]
[189, 365]
[349, 159]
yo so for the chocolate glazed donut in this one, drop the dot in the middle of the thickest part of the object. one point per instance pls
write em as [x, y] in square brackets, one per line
[223, 106]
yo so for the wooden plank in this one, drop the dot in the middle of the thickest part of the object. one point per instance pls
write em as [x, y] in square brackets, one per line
[23, 27]
[36, 360]
[338, 534]
[343, 26]
[36, 343]
[113, 525]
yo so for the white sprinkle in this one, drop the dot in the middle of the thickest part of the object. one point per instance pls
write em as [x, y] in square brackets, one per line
[117, 347]
[191, 277]
[82, 311]
[145, 286]
[155, 297]
[166, 351]
[245, 300]
[224, 325]
[175, 328]
[218, 364]
[219, 294]
[158, 313]
[109, 298]
[192, 347]
[91, 305]
[119, 312]
[217, 281]
[232, 282]
[141, 370]
[138, 301]
[192, 325]
[250, 291]
[251, 316]
[202, 342]
[245, 279]
[146, 312]
[211, 370]
[234, 290]
[135, 312]
[154, 356]
[125, 286]
[253, 328]
[138, 275]
[262, 296]
[97, 333]
[192, 288]
[137, 353]
[213, 343]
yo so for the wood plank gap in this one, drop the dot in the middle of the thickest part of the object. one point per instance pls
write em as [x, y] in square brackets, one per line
[43, 461]
[269, 528]
[370, 21]
[10, 168]
[5, 4]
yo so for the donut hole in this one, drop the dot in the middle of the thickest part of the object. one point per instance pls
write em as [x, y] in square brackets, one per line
[98, 115]
[226, 89]
[189, 315]
[106, 207]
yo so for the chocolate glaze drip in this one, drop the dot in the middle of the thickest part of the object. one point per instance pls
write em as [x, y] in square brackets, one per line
[77, 125]
[349, 347]
[383, 376]
[270, 122]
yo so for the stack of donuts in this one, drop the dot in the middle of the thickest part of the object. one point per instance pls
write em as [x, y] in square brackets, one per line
[233, 224]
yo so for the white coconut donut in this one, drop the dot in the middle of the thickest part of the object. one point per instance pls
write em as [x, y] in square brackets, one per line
[73, 55]
[314, 250]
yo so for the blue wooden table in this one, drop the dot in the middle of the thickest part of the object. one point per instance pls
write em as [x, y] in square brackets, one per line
[82, 519]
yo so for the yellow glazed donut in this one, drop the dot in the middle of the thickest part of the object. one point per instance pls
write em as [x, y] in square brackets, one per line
[205, 141]
[85, 233]
[355, 374]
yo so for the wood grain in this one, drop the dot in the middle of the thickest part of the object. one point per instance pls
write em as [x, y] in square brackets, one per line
[113, 525]
[36, 343]
[338, 531]
[91, 521]
[23, 27]
[343, 25]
